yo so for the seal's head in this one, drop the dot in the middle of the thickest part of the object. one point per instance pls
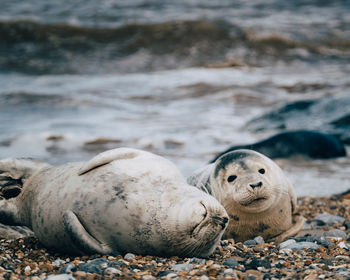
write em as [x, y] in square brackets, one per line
[248, 181]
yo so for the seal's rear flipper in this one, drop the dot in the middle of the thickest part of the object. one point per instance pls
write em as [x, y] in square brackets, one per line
[85, 242]
[296, 227]
[107, 157]
[14, 172]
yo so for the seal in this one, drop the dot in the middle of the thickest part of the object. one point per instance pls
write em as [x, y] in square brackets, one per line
[256, 194]
[123, 200]
[303, 143]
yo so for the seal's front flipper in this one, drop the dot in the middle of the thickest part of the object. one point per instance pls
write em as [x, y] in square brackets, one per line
[296, 227]
[14, 172]
[85, 242]
[9, 212]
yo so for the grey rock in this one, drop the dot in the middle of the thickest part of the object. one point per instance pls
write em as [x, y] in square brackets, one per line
[129, 257]
[286, 243]
[328, 219]
[250, 242]
[95, 266]
[60, 277]
[182, 266]
[198, 261]
[112, 271]
[231, 262]
[259, 240]
[68, 268]
[336, 233]
[302, 245]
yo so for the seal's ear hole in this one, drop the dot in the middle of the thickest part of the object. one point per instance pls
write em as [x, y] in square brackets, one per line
[262, 171]
[231, 178]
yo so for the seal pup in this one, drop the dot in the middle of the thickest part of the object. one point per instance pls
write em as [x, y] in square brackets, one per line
[304, 143]
[256, 194]
[123, 200]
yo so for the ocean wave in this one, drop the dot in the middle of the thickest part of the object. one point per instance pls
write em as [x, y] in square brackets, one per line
[37, 48]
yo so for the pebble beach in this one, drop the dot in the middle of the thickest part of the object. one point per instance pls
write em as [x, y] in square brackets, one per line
[319, 251]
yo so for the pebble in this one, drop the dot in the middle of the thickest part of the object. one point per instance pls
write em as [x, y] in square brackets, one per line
[182, 266]
[322, 253]
[336, 233]
[328, 219]
[60, 277]
[129, 257]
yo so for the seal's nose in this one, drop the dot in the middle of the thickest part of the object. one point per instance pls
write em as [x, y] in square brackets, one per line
[222, 221]
[257, 185]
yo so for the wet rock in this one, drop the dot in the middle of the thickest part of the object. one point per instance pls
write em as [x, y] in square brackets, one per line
[198, 261]
[328, 219]
[328, 115]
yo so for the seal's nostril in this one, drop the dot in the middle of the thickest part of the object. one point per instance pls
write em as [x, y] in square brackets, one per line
[257, 185]
[225, 220]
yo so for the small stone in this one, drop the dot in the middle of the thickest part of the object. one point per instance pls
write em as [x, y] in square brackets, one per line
[204, 277]
[250, 242]
[129, 257]
[198, 261]
[58, 262]
[259, 240]
[231, 262]
[148, 277]
[111, 271]
[347, 225]
[80, 274]
[95, 266]
[182, 266]
[68, 268]
[162, 273]
[60, 277]
[302, 245]
[328, 219]
[171, 276]
[228, 271]
[286, 243]
[336, 233]
[343, 245]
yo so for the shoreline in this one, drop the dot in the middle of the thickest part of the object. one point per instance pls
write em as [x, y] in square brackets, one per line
[320, 251]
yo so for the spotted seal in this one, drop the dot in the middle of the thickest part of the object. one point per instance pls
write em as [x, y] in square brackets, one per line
[255, 192]
[123, 200]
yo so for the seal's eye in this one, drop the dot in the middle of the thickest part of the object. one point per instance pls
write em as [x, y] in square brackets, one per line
[231, 178]
[262, 171]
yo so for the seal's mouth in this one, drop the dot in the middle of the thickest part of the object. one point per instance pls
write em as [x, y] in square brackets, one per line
[254, 202]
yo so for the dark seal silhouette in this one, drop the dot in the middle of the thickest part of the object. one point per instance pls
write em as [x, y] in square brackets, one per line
[311, 144]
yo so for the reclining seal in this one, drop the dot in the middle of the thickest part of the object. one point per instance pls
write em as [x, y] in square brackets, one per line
[123, 200]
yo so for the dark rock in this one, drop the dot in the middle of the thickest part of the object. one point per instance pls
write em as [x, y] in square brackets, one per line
[231, 262]
[328, 114]
[257, 262]
[95, 266]
[327, 262]
[250, 242]
[162, 273]
[347, 225]
[311, 144]
[68, 268]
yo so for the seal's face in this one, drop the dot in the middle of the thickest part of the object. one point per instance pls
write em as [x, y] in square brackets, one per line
[248, 181]
[196, 224]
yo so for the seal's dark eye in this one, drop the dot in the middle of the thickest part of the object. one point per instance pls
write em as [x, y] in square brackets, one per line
[231, 178]
[262, 171]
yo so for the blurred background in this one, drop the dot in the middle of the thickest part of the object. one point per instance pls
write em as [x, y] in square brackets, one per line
[185, 79]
